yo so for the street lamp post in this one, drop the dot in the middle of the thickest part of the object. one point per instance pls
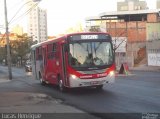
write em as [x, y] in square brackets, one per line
[7, 38]
[7, 41]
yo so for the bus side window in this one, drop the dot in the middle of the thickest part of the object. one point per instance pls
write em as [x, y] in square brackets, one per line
[55, 51]
[33, 57]
[52, 50]
[54, 47]
[49, 50]
[39, 53]
[44, 56]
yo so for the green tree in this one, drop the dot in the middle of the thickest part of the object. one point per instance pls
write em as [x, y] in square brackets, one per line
[94, 29]
[20, 49]
[2, 54]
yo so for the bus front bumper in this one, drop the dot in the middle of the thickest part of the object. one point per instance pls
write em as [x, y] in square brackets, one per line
[77, 82]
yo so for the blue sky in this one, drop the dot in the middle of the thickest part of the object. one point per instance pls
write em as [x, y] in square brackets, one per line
[62, 14]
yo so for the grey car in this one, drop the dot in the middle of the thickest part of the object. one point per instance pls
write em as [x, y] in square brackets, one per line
[28, 66]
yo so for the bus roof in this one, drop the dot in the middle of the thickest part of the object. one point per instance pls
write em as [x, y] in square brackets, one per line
[33, 47]
[65, 36]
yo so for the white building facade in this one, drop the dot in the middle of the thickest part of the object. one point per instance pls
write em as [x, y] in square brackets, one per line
[37, 22]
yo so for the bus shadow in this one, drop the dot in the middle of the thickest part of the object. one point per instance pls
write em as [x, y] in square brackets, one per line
[79, 91]
[90, 92]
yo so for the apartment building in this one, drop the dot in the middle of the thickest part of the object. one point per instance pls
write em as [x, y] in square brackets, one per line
[37, 22]
[158, 4]
[140, 30]
[128, 5]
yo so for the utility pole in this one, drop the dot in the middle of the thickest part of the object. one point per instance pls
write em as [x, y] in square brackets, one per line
[7, 41]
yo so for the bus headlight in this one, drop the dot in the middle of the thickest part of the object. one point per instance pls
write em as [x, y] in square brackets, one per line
[73, 76]
[111, 73]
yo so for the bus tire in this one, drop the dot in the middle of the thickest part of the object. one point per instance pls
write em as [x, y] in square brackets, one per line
[99, 87]
[42, 82]
[61, 86]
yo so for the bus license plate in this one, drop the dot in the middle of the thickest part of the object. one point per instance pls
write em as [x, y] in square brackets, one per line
[94, 82]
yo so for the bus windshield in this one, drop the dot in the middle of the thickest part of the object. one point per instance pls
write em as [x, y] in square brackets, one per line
[90, 54]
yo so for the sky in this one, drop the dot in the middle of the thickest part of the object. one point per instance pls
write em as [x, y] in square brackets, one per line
[61, 14]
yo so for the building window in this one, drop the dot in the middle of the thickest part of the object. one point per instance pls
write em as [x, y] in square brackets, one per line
[136, 8]
[123, 8]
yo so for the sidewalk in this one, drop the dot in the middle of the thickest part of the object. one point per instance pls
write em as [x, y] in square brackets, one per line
[4, 80]
[146, 68]
[34, 102]
[3, 77]
[138, 68]
[23, 103]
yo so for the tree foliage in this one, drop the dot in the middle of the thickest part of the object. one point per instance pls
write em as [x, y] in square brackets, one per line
[20, 49]
[94, 29]
[2, 54]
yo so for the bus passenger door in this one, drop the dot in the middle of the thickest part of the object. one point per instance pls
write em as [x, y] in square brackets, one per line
[44, 66]
[51, 67]
[33, 59]
[64, 64]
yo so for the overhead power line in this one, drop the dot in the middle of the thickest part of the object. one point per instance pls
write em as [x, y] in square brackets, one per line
[18, 11]
[15, 5]
[25, 14]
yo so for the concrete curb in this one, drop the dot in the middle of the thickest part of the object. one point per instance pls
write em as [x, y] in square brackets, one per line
[122, 75]
[21, 101]
[143, 68]
[4, 80]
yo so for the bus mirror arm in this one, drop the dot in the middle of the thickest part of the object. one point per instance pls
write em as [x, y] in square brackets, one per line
[66, 48]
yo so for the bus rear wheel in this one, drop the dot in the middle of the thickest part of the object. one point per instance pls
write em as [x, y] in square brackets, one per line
[42, 82]
[62, 88]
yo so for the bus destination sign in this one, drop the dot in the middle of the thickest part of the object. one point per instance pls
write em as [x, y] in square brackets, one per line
[89, 36]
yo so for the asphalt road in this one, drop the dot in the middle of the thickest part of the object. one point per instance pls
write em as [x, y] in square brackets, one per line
[135, 94]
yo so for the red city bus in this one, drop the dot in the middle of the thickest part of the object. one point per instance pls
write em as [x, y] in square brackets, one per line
[75, 60]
